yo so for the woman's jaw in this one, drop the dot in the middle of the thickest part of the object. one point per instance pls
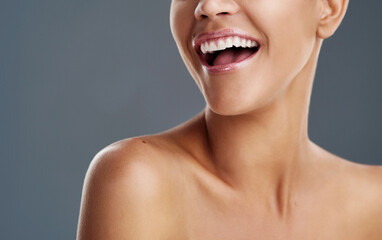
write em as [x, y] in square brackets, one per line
[242, 55]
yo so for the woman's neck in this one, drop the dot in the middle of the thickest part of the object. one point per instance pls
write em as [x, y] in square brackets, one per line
[265, 151]
[249, 151]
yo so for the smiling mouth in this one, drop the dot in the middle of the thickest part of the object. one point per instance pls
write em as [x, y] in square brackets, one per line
[226, 50]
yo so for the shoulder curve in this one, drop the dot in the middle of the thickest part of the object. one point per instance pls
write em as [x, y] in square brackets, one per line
[371, 173]
[367, 182]
[365, 177]
[360, 191]
[133, 163]
[123, 189]
[145, 150]
[126, 150]
[371, 191]
[375, 175]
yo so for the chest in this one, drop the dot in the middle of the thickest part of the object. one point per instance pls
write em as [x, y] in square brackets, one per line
[209, 220]
[209, 227]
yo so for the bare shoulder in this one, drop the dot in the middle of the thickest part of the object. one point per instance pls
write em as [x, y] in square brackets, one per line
[124, 157]
[364, 183]
[138, 159]
[366, 178]
[370, 184]
[127, 192]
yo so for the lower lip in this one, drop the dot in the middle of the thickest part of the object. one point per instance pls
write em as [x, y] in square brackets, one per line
[228, 67]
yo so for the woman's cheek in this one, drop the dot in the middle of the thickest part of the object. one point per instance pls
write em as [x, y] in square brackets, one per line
[181, 19]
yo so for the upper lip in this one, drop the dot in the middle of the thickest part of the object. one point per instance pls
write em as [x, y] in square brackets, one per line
[199, 39]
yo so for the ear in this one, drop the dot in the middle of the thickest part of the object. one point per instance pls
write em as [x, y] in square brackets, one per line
[333, 11]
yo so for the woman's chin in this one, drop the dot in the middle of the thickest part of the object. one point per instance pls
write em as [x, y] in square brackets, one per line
[228, 108]
[236, 105]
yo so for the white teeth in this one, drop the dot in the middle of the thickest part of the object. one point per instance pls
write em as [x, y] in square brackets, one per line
[212, 47]
[221, 44]
[228, 42]
[236, 41]
[202, 48]
[243, 43]
[224, 43]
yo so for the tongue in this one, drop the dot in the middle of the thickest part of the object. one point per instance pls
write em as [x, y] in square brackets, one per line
[232, 55]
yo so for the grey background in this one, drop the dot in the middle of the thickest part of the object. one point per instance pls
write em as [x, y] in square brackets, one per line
[76, 75]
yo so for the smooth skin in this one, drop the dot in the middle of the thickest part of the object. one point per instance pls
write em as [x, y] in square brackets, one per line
[244, 168]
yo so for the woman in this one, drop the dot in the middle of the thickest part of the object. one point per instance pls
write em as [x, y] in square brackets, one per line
[244, 168]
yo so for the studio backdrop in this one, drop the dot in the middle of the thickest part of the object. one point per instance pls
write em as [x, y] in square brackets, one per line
[76, 76]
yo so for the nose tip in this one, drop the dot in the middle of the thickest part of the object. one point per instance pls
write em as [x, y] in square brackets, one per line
[214, 8]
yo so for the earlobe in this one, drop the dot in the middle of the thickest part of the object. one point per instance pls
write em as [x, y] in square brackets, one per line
[332, 14]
